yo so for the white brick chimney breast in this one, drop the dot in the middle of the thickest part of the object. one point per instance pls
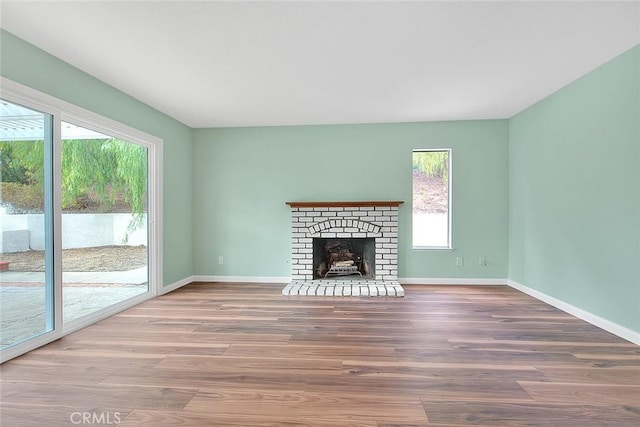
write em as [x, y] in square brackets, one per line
[344, 220]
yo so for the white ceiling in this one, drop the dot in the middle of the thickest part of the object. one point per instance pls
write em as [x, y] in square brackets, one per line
[237, 63]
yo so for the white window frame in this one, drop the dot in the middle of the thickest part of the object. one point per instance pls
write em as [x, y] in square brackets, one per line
[449, 245]
[64, 111]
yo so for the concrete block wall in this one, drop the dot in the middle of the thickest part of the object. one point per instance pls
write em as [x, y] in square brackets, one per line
[23, 232]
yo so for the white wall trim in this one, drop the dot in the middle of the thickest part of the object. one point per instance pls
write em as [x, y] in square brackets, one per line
[403, 281]
[175, 285]
[595, 320]
[449, 281]
[243, 279]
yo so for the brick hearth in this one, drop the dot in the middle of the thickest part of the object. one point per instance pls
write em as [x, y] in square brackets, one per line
[344, 288]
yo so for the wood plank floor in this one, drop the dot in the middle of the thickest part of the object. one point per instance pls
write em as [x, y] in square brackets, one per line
[244, 355]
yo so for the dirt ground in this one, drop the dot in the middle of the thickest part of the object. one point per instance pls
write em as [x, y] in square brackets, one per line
[429, 194]
[104, 258]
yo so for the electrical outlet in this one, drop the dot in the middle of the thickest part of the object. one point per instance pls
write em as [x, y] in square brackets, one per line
[482, 260]
[459, 261]
[220, 259]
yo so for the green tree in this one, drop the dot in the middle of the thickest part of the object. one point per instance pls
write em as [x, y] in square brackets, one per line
[10, 170]
[22, 161]
[105, 169]
[432, 163]
[130, 171]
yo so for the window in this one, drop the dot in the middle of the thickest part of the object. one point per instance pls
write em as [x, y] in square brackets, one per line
[432, 199]
[79, 218]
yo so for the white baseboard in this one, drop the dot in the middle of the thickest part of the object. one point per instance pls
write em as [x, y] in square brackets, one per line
[403, 281]
[243, 279]
[176, 285]
[449, 281]
[595, 320]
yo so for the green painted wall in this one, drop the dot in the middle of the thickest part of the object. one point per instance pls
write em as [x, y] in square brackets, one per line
[28, 65]
[574, 194]
[241, 174]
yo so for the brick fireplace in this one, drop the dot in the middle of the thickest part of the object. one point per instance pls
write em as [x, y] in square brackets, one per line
[329, 252]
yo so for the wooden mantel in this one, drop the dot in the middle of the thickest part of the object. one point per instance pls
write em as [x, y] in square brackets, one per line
[394, 203]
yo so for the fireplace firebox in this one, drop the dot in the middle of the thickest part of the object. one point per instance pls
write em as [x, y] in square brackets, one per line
[335, 258]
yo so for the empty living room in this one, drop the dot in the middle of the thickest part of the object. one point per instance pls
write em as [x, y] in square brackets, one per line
[319, 213]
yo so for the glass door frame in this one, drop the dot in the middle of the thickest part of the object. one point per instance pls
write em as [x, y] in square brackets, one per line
[63, 111]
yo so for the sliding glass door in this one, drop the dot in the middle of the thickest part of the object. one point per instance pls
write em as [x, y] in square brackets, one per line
[78, 226]
[26, 281]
